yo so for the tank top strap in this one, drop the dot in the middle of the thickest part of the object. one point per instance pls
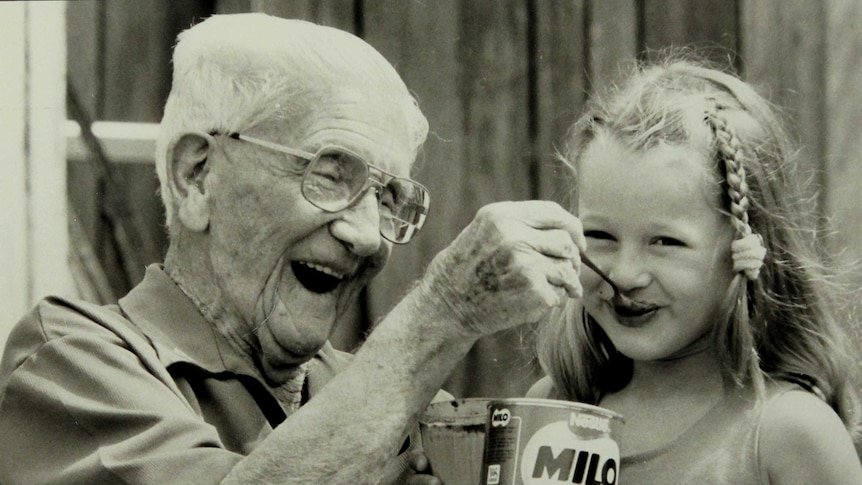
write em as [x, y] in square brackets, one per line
[805, 381]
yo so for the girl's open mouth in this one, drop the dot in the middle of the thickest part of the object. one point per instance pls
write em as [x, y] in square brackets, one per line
[633, 309]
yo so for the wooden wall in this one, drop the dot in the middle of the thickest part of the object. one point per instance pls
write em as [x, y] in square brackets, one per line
[119, 69]
[500, 82]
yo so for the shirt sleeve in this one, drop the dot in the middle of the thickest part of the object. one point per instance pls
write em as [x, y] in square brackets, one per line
[82, 404]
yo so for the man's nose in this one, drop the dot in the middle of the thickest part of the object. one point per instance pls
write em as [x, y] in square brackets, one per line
[358, 226]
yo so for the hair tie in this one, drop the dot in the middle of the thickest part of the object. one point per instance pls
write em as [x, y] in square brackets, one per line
[748, 255]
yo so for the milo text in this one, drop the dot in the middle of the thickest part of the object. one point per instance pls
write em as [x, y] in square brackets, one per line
[574, 466]
[556, 454]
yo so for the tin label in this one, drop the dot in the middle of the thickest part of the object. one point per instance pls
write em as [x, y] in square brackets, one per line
[530, 444]
[554, 454]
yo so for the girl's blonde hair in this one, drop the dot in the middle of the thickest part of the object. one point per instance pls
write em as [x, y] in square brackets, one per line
[787, 322]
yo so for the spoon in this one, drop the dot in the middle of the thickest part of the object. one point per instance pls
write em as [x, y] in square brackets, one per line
[619, 299]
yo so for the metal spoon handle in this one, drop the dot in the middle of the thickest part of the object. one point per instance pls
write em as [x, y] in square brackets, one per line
[619, 298]
[590, 264]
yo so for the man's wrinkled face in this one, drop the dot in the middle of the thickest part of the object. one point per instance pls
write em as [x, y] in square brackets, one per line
[286, 269]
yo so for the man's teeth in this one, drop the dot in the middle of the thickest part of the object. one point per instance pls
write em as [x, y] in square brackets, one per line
[323, 269]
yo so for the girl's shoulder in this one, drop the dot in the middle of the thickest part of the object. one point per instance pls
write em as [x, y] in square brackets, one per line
[802, 440]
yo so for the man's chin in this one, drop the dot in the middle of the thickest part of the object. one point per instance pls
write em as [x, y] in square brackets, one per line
[278, 373]
[284, 349]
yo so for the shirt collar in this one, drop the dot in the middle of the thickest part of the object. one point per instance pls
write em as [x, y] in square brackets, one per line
[180, 334]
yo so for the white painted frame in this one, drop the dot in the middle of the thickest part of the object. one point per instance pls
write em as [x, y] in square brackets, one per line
[34, 236]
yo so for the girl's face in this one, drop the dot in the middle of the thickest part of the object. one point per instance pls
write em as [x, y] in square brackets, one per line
[652, 224]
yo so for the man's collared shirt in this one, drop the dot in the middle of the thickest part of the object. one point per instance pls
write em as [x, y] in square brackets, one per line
[145, 391]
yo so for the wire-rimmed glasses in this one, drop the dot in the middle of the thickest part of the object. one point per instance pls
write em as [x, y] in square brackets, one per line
[335, 178]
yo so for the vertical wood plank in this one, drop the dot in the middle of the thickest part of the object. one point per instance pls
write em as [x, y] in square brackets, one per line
[130, 87]
[136, 80]
[842, 177]
[561, 85]
[234, 6]
[843, 144]
[708, 25]
[84, 33]
[468, 64]
[613, 40]
[581, 46]
[340, 14]
[138, 45]
[136, 83]
[783, 53]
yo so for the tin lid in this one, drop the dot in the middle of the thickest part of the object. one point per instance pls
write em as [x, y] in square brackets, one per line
[557, 403]
[457, 411]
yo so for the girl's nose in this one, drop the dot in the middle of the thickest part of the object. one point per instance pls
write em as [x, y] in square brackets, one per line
[627, 269]
[358, 226]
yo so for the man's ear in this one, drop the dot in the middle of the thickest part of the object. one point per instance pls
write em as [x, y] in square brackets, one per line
[188, 157]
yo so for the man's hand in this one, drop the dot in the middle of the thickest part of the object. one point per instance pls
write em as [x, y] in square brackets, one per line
[511, 265]
[411, 468]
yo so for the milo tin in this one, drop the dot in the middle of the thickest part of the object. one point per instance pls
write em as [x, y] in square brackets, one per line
[545, 441]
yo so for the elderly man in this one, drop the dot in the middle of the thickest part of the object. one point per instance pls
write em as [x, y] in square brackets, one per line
[284, 157]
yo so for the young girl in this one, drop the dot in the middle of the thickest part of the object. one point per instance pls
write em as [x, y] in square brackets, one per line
[733, 366]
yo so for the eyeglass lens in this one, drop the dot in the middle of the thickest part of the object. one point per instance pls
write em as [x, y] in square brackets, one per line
[335, 179]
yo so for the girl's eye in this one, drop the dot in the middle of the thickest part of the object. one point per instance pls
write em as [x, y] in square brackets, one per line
[598, 235]
[668, 241]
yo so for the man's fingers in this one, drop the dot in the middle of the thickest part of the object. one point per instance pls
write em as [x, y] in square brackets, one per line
[562, 274]
[511, 265]
[555, 243]
[543, 215]
[418, 461]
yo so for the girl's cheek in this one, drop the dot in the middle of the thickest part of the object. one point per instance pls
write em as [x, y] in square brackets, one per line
[591, 283]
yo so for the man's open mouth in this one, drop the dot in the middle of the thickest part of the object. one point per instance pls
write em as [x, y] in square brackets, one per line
[316, 278]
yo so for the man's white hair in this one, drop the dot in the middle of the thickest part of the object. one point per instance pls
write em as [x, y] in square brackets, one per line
[232, 72]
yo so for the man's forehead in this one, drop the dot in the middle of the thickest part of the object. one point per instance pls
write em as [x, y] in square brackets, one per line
[372, 100]
[366, 121]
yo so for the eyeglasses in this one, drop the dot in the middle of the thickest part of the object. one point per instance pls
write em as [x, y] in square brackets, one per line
[335, 178]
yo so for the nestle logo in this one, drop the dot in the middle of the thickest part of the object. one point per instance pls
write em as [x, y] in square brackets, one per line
[590, 422]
